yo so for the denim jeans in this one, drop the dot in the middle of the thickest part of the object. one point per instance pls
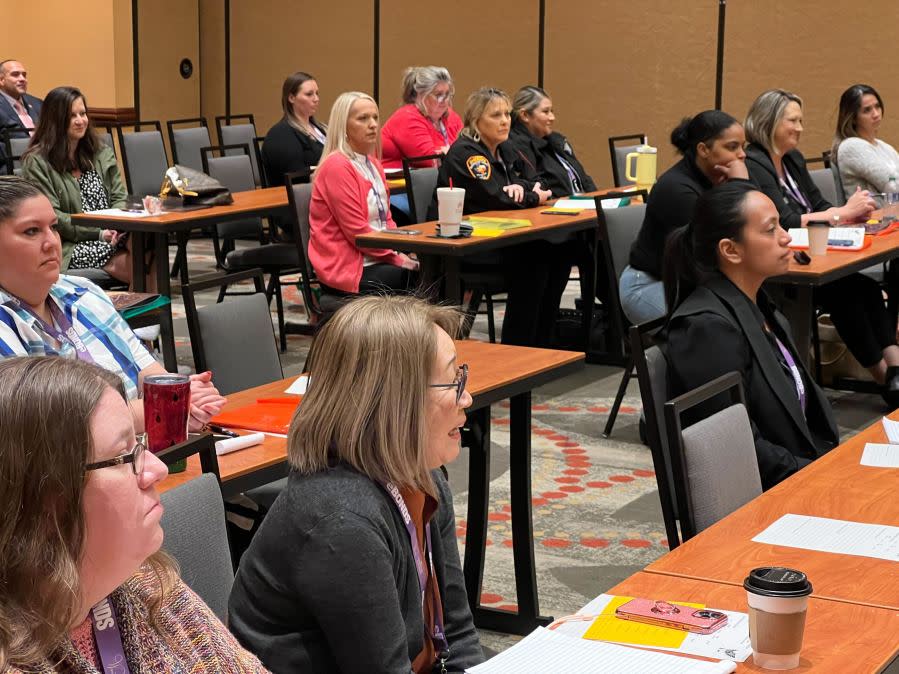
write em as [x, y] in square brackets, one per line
[642, 296]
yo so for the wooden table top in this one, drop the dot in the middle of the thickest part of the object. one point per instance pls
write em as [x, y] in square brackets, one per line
[492, 367]
[838, 637]
[427, 240]
[839, 263]
[248, 202]
[834, 486]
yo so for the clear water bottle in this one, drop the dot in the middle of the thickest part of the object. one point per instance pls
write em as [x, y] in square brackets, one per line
[892, 191]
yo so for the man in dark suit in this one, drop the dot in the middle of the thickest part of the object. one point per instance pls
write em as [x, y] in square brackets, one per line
[19, 111]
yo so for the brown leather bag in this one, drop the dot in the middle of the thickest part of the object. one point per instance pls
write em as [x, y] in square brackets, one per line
[194, 187]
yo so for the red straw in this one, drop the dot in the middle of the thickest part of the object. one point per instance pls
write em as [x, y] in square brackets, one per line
[451, 183]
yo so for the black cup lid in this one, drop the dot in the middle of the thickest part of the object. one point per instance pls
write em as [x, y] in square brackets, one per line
[817, 223]
[777, 581]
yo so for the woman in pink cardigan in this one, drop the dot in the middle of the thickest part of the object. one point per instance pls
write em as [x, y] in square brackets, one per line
[349, 198]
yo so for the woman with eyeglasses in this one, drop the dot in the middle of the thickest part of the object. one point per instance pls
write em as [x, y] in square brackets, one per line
[425, 124]
[45, 313]
[84, 586]
[356, 566]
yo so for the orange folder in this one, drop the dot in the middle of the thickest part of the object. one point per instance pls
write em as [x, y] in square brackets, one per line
[269, 415]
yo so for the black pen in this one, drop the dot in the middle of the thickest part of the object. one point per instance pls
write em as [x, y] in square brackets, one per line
[222, 431]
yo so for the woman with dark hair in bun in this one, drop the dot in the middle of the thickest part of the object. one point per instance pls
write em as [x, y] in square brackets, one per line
[712, 147]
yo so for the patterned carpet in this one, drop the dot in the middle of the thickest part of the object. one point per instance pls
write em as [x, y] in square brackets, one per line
[596, 513]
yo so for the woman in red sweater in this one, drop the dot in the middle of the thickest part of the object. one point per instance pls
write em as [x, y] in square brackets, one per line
[349, 198]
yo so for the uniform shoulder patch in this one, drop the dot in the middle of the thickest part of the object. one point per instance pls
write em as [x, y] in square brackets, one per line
[479, 167]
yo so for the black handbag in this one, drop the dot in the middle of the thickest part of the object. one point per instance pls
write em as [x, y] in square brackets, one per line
[194, 187]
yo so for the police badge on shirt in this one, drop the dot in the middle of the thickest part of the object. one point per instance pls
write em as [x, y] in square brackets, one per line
[479, 167]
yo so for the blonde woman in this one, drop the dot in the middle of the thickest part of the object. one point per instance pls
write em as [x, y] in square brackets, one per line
[355, 567]
[83, 586]
[349, 198]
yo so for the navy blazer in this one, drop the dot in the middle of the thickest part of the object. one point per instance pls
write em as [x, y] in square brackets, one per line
[9, 117]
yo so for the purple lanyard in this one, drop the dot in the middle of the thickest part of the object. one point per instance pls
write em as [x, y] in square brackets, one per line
[441, 129]
[109, 639]
[375, 179]
[64, 334]
[790, 186]
[438, 636]
[572, 174]
[794, 370]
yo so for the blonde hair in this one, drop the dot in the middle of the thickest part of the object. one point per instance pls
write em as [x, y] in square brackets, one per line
[476, 105]
[46, 405]
[764, 116]
[336, 140]
[367, 398]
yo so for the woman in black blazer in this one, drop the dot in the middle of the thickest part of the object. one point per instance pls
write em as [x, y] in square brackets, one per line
[295, 143]
[855, 302]
[723, 322]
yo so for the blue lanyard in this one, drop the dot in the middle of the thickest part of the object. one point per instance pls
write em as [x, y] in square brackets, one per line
[108, 638]
[64, 334]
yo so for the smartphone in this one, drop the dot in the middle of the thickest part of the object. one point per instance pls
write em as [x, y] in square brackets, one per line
[666, 614]
[801, 257]
[407, 232]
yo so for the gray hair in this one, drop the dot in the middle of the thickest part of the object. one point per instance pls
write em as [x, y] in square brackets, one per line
[527, 99]
[765, 114]
[419, 81]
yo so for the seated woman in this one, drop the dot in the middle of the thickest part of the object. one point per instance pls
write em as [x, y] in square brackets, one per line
[721, 321]
[865, 161]
[86, 532]
[356, 566]
[545, 152]
[425, 124]
[43, 313]
[711, 144]
[482, 162]
[350, 197]
[296, 141]
[855, 303]
[79, 173]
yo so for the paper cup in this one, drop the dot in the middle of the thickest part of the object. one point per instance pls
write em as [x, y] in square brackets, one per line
[450, 203]
[778, 601]
[818, 232]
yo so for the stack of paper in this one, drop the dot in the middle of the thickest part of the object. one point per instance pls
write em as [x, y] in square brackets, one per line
[828, 535]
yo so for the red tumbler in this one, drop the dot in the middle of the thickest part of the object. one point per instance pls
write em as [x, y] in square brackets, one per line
[166, 411]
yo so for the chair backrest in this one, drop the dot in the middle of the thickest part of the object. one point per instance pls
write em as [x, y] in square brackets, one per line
[194, 530]
[258, 141]
[713, 461]
[106, 139]
[421, 183]
[618, 153]
[144, 158]
[186, 143]
[618, 228]
[239, 134]
[824, 180]
[838, 183]
[299, 195]
[15, 148]
[234, 171]
[220, 334]
[652, 374]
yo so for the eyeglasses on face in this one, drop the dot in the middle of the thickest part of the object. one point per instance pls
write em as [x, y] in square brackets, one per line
[135, 457]
[458, 383]
[442, 98]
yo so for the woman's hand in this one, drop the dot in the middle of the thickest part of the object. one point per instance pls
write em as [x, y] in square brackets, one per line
[516, 192]
[859, 205]
[735, 169]
[541, 193]
[409, 263]
[205, 401]
[110, 236]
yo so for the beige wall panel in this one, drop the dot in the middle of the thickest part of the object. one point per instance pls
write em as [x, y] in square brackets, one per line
[498, 49]
[272, 38]
[815, 54]
[617, 67]
[123, 58]
[212, 60]
[168, 31]
[40, 35]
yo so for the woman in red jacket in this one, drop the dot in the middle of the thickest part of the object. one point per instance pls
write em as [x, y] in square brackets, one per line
[349, 198]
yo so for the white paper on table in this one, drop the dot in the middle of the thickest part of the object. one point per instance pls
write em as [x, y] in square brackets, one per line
[880, 456]
[586, 204]
[880, 541]
[298, 387]
[730, 642]
[891, 428]
[856, 235]
[545, 651]
[120, 213]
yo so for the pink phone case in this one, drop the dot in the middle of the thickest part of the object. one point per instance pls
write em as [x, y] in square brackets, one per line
[665, 614]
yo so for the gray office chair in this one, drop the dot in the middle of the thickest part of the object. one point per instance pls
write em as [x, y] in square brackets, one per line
[195, 535]
[618, 153]
[144, 158]
[713, 461]
[837, 178]
[421, 183]
[187, 143]
[618, 229]
[233, 339]
[106, 139]
[17, 147]
[239, 134]
[825, 182]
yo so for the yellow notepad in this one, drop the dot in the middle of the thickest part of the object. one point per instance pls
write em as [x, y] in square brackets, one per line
[608, 627]
[487, 226]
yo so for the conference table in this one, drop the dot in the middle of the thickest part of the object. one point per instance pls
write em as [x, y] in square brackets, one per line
[496, 372]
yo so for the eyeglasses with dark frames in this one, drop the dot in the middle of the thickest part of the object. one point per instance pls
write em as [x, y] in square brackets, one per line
[135, 457]
[458, 383]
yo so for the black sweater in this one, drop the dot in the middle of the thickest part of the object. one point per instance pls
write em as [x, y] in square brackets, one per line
[540, 156]
[670, 205]
[762, 173]
[329, 582]
[286, 150]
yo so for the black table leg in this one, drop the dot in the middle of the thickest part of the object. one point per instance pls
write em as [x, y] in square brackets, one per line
[587, 272]
[181, 238]
[453, 287]
[138, 267]
[164, 287]
[478, 498]
[431, 276]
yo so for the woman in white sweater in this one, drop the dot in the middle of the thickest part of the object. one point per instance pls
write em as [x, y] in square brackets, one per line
[865, 161]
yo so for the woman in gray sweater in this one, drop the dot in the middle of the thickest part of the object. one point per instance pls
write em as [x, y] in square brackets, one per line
[356, 566]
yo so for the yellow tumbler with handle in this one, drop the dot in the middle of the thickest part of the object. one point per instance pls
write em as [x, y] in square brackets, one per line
[644, 177]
